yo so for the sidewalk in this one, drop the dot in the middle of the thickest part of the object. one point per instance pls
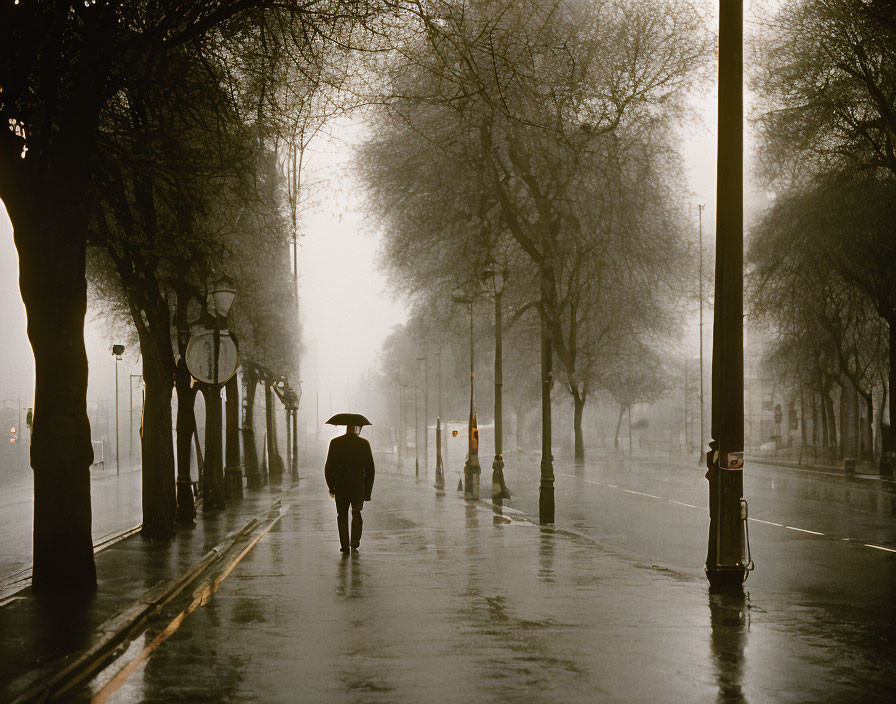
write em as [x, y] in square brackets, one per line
[453, 601]
[115, 503]
[40, 637]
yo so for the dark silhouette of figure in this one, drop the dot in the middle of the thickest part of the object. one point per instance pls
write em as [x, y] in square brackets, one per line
[349, 473]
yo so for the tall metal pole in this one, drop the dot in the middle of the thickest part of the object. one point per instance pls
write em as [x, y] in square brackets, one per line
[687, 437]
[471, 467]
[440, 468]
[499, 488]
[546, 487]
[702, 436]
[117, 462]
[727, 562]
[416, 419]
[131, 419]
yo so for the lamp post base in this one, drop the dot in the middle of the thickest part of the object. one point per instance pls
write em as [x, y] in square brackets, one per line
[471, 482]
[186, 508]
[726, 577]
[499, 488]
[233, 481]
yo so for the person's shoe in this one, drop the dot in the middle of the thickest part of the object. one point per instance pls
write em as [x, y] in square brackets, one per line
[355, 548]
[344, 549]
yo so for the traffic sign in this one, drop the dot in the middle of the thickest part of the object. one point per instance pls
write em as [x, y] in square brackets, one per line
[200, 356]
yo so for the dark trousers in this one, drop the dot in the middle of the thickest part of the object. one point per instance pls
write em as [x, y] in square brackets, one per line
[342, 505]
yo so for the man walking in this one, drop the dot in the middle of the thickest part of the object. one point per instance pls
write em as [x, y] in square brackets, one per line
[349, 473]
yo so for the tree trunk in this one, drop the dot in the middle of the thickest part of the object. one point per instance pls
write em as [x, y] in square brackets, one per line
[275, 461]
[804, 434]
[579, 406]
[233, 471]
[815, 420]
[52, 255]
[888, 437]
[847, 421]
[866, 430]
[831, 418]
[619, 425]
[254, 477]
[186, 427]
[159, 492]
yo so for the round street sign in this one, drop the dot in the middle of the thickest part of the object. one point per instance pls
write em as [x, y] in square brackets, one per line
[200, 356]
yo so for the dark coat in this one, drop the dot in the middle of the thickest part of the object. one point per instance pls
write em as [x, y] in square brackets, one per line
[349, 470]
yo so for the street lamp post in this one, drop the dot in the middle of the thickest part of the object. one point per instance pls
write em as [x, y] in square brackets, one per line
[727, 560]
[218, 303]
[472, 470]
[294, 405]
[117, 351]
[700, 237]
[440, 469]
[499, 488]
[417, 418]
[233, 470]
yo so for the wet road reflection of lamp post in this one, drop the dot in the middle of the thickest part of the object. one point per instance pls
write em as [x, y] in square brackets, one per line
[472, 469]
[117, 351]
[727, 560]
[499, 488]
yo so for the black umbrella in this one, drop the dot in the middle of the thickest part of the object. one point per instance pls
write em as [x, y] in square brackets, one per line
[348, 419]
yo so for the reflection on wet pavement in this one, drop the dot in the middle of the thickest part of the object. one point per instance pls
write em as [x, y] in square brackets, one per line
[729, 619]
[462, 601]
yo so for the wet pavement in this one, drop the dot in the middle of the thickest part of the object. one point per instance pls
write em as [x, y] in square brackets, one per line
[40, 635]
[116, 503]
[454, 601]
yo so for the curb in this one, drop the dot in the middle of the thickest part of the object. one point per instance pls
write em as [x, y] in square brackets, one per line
[13, 585]
[78, 666]
[819, 468]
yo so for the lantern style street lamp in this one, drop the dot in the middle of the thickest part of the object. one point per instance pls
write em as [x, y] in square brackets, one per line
[207, 369]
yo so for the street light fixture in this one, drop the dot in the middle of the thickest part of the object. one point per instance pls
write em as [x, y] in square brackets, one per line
[220, 298]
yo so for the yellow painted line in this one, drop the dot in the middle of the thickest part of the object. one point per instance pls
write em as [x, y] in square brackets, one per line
[125, 673]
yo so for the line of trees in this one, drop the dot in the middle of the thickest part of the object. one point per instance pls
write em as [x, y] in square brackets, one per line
[534, 137]
[824, 257]
[153, 133]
